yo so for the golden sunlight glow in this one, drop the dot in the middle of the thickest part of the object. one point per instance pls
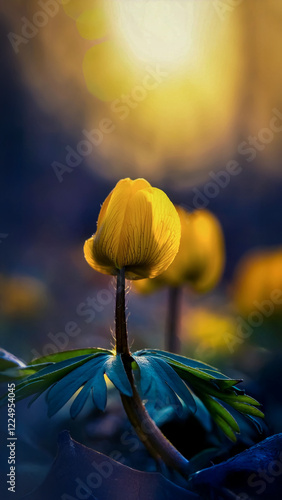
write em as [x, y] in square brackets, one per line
[163, 31]
[174, 86]
[160, 68]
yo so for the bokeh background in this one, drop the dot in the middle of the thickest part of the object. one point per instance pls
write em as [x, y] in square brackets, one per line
[215, 76]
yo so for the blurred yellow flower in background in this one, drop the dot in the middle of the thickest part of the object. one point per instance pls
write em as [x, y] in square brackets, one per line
[258, 280]
[207, 332]
[200, 260]
[22, 296]
[138, 228]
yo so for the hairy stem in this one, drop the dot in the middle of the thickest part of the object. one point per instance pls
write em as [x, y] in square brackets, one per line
[121, 327]
[146, 429]
[172, 327]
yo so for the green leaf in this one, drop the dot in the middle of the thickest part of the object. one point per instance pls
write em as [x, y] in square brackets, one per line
[228, 384]
[242, 398]
[215, 408]
[192, 363]
[223, 425]
[65, 355]
[61, 368]
[50, 376]
[35, 386]
[14, 374]
[185, 371]
[208, 383]
[248, 409]
[11, 367]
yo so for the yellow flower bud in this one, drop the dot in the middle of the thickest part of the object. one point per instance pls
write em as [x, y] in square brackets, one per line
[138, 228]
[201, 256]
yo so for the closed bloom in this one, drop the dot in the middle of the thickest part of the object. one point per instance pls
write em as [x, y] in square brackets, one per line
[201, 256]
[138, 228]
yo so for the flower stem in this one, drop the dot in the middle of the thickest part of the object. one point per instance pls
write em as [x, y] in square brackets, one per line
[146, 429]
[121, 328]
[172, 328]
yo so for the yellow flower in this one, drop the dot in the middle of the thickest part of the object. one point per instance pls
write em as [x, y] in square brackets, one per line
[258, 282]
[202, 253]
[138, 228]
[207, 332]
[22, 296]
[201, 256]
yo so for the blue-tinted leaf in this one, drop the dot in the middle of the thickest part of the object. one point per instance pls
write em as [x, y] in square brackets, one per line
[99, 390]
[256, 423]
[173, 381]
[95, 385]
[65, 388]
[115, 371]
[48, 376]
[81, 399]
[11, 367]
[158, 391]
[146, 374]
[62, 367]
[8, 360]
[208, 383]
[231, 479]
[181, 368]
[79, 472]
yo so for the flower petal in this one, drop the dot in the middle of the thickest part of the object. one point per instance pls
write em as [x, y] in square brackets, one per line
[138, 228]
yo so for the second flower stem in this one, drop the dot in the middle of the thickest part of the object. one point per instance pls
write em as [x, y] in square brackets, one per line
[146, 429]
[173, 315]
